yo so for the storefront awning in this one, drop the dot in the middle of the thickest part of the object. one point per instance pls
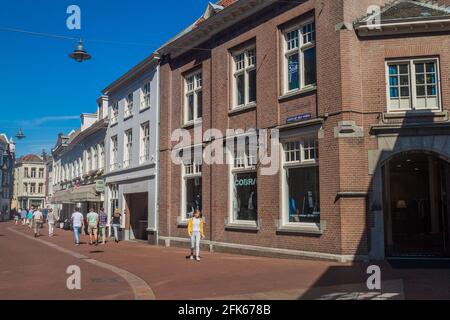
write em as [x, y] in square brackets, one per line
[85, 194]
[74, 195]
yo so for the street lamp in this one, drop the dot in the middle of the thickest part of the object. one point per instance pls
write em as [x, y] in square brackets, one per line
[20, 135]
[80, 53]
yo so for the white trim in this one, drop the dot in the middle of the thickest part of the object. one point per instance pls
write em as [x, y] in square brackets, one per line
[194, 91]
[247, 68]
[412, 84]
[300, 51]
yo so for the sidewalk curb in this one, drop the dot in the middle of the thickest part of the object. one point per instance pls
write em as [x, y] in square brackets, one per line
[141, 289]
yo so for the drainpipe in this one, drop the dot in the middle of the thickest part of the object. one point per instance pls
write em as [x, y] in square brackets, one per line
[211, 167]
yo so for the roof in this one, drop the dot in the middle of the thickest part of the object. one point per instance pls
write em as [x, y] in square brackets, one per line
[3, 139]
[30, 158]
[404, 10]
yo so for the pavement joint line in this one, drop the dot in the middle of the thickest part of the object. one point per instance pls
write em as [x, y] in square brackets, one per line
[141, 290]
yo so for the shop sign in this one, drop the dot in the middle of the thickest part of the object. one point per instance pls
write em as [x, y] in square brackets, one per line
[245, 182]
[100, 186]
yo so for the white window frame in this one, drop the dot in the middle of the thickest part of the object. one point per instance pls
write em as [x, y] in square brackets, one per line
[94, 158]
[191, 170]
[88, 160]
[33, 173]
[114, 113]
[248, 66]
[146, 96]
[114, 160]
[129, 104]
[128, 148]
[101, 159]
[302, 47]
[236, 167]
[413, 85]
[196, 88]
[145, 143]
[293, 163]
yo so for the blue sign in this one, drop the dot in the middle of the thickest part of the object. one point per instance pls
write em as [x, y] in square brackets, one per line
[301, 117]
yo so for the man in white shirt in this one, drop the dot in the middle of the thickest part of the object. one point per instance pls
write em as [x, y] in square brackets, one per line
[77, 224]
[38, 219]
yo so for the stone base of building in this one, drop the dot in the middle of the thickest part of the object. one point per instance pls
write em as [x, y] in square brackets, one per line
[233, 248]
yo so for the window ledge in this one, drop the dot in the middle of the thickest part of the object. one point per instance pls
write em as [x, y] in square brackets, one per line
[296, 93]
[128, 117]
[415, 113]
[302, 229]
[242, 226]
[144, 109]
[241, 109]
[191, 124]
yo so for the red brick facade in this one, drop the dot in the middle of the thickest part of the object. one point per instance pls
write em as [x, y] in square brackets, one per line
[351, 86]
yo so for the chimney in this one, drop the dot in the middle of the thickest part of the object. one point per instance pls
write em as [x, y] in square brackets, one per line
[102, 103]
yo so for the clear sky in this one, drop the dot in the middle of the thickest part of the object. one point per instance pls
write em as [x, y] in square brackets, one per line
[42, 90]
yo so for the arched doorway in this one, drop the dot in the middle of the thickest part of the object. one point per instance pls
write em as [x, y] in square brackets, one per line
[416, 203]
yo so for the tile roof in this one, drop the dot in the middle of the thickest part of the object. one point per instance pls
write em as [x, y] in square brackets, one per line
[30, 158]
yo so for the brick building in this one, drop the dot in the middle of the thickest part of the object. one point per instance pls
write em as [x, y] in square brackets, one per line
[361, 105]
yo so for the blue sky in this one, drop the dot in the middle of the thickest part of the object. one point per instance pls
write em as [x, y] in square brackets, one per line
[43, 91]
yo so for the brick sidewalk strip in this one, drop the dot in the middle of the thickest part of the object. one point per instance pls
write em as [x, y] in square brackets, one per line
[140, 288]
[229, 276]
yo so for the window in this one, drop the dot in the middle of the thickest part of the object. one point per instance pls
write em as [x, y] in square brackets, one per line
[114, 200]
[413, 85]
[88, 160]
[33, 188]
[128, 148]
[192, 185]
[244, 77]
[26, 173]
[300, 57]
[114, 113]
[114, 161]
[41, 173]
[95, 158]
[145, 96]
[129, 106]
[25, 188]
[101, 160]
[41, 188]
[193, 98]
[243, 181]
[33, 173]
[145, 143]
[301, 176]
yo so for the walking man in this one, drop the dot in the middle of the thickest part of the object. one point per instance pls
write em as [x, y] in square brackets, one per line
[77, 224]
[30, 217]
[38, 219]
[51, 222]
[92, 220]
[102, 222]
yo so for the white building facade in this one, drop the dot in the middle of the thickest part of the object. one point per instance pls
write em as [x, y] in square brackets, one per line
[132, 142]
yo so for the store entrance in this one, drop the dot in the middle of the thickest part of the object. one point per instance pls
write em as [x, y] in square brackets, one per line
[416, 205]
[137, 216]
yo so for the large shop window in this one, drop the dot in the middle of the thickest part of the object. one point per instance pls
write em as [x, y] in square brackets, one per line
[302, 195]
[244, 180]
[192, 187]
[245, 196]
[413, 85]
[300, 57]
[114, 200]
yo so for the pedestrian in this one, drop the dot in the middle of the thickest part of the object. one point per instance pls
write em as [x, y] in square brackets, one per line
[196, 232]
[116, 223]
[38, 219]
[92, 221]
[30, 217]
[102, 222]
[51, 222]
[77, 223]
[23, 216]
[16, 219]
